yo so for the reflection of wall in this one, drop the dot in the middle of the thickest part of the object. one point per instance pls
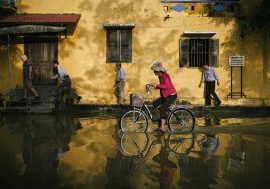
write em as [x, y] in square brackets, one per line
[252, 170]
[84, 53]
[30, 148]
[10, 160]
[83, 166]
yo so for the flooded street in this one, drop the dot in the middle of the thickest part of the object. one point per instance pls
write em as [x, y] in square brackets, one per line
[44, 151]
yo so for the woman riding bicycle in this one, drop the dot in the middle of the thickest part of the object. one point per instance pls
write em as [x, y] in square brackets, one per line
[167, 93]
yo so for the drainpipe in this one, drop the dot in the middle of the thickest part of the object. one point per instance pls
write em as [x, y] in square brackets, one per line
[9, 69]
[265, 64]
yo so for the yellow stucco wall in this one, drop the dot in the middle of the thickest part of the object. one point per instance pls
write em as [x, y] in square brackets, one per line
[84, 54]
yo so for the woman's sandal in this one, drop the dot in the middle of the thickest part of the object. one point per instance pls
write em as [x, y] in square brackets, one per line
[159, 130]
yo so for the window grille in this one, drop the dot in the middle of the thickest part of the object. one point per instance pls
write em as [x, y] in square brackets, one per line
[196, 52]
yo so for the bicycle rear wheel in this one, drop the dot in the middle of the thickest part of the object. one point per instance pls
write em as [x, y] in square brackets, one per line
[181, 119]
[134, 121]
[181, 144]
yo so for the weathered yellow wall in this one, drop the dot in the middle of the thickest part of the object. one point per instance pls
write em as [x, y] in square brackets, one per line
[15, 67]
[84, 54]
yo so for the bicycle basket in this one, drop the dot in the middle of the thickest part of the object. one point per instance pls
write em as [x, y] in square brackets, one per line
[136, 100]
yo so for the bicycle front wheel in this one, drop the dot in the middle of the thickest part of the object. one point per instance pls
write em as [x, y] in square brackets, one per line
[181, 119]
[134, 121]
[133, 144]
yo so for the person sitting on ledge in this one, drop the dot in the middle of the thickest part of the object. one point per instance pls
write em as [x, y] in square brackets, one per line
[65, 82]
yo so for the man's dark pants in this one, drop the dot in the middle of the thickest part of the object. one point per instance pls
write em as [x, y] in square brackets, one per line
[210, 90]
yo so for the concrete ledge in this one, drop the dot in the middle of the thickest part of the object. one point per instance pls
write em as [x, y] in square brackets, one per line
[116, 110]
[199, 110]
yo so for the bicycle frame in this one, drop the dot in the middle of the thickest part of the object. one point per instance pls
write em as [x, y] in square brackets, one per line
[147, 111]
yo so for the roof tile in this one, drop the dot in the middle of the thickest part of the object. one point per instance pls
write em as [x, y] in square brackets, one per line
[18, 19]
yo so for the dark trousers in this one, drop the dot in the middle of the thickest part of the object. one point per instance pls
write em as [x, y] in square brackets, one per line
[28, 86]
[64, 87]
[164, 104]
[210, 90]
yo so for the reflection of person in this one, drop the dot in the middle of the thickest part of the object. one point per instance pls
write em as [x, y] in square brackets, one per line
[65, 82]
[208, 145]
[119, 83]
[200, 172]
[209, 77]
[167, 93]
[2, 99]
[43, 149]
[28, 76]
[167, 167]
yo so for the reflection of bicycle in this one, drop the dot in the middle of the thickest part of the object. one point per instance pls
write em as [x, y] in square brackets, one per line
[152, 155]
[136, 120]
[138, 144]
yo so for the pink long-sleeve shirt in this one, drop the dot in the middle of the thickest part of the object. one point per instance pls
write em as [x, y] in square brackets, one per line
[165, 85]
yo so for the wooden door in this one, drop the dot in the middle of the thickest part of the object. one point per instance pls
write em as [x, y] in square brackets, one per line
[42, 53]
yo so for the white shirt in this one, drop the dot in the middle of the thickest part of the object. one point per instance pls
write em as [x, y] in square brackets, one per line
[120, 75]
[209, 75]
[61, 73]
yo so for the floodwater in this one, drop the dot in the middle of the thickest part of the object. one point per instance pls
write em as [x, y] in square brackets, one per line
[51, 152]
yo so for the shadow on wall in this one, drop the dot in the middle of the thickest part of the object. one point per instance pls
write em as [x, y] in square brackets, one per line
[21, 8]
[14, 72]
[14, 56]
[243, 40]
[99, 79]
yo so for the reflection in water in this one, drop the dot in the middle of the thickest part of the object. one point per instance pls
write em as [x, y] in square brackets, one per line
[43, 145]
[44, 139]
[200, 171]
[119, 171]
[237, 156]
[211, 120]
[194, 170]
[43, 151]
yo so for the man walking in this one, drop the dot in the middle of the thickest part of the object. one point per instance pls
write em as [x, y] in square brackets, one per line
[28, 76]
[119, 83]
[209, 77]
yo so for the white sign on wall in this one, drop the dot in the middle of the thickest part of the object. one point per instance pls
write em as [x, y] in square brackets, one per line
[236, 61]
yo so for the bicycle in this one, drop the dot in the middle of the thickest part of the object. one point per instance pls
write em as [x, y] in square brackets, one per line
[138, 144]
[136, 120]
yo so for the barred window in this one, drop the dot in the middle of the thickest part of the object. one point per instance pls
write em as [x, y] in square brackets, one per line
[196, 52]
[119, 45]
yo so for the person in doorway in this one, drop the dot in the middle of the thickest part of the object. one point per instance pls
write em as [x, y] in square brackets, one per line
[209, 78]
[119, 83]
[167, 93]
[65, 82]
[28, 76]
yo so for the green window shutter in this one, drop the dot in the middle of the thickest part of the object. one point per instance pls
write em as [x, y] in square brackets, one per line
[126, 46]
[214, 52]
[112, 46]
[184, 52]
